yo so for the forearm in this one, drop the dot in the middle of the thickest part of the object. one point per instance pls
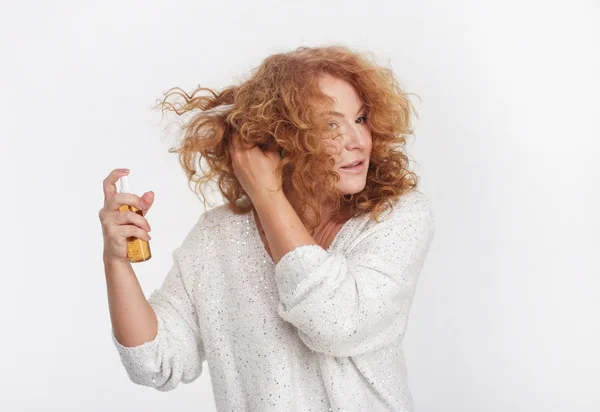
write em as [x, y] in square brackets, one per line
[346, 303]
[133, 319]
[283, 228]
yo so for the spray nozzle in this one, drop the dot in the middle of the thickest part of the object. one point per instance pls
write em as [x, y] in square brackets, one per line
[125, 185]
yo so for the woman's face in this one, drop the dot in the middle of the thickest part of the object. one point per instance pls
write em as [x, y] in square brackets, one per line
[352, 146]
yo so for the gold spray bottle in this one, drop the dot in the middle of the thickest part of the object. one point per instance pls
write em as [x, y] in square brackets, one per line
[138, 250]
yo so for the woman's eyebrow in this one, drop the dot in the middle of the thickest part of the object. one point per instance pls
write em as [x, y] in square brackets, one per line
[338, 114]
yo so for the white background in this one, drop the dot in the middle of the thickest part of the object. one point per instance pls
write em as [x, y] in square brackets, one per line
[506, 312]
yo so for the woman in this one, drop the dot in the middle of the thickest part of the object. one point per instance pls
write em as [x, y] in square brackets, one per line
[297, 290]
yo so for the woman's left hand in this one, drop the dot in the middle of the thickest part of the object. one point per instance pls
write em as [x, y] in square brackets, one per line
[254, 169]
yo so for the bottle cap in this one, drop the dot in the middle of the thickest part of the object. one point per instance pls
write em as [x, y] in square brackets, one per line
[125, 185]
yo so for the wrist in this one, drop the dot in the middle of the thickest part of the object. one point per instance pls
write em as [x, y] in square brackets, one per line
[112, 262]
[268, 200]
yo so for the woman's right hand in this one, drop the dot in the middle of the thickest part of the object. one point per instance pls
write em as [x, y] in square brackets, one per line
[118, 226]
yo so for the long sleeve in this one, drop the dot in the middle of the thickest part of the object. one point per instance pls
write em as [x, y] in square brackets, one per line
[353, 303]
[176, 353]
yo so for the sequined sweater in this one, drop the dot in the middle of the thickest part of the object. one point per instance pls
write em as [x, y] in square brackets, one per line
[321, 330]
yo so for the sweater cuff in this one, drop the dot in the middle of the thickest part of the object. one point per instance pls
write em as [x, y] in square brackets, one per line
[296, 265]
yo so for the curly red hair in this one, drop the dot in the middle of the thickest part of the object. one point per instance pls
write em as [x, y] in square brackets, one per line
[280, 107]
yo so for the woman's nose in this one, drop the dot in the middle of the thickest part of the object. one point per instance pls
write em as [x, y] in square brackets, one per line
[356, 138]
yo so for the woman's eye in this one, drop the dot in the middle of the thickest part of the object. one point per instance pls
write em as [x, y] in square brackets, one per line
[333, 125]
[364, 119]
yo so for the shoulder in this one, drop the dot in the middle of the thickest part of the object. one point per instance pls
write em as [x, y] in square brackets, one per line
[210, 225]
[412, 206]
[415, 212]
[400, 236]
[407, 231]
[408, 218]
[414, 201]
[217, 216]
[413, 215]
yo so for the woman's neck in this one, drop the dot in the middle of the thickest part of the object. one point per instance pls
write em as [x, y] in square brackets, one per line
[325, 210]
[323, 234]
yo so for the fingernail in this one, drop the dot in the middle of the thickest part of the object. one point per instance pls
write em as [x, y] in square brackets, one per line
[124, 170]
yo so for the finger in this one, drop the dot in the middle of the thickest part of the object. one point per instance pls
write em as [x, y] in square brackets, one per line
[119, 199]
[109, 186]
[148, 199]
[274, 156]
[234, 143]
[131, 218]
[133, 231]
[239, 144]
[246, 145]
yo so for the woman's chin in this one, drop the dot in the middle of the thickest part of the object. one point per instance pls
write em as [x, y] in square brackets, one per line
[351, 188]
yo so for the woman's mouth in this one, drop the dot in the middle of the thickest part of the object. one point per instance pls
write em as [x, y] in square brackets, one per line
[355, 167]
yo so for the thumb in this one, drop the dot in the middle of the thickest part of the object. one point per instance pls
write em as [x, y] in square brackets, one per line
[148, 200]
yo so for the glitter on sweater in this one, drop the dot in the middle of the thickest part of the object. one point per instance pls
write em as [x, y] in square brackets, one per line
[320, 331]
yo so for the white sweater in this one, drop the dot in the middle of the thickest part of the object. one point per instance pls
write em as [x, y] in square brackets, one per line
[320, 331]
